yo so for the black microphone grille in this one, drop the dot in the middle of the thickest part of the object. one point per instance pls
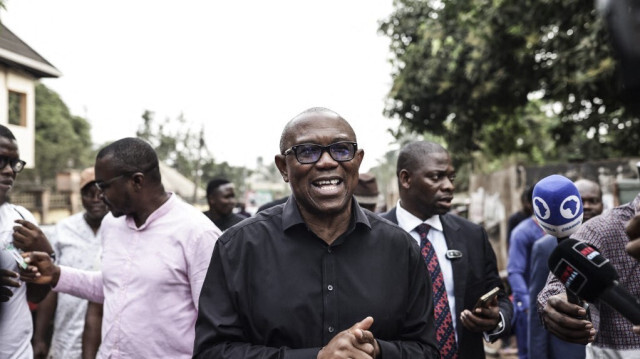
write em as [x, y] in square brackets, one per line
[581, 268]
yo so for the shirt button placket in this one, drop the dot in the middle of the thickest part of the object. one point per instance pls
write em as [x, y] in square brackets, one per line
[330, 300]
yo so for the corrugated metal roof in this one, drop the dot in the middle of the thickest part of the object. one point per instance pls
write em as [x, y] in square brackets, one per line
[16, 53]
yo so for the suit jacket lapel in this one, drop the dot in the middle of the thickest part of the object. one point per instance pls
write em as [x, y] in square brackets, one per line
[459, 266]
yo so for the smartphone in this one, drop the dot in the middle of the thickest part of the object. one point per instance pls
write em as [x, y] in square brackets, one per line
[487, 297]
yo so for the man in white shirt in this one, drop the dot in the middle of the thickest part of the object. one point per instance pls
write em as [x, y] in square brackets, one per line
[77, 242]
[16, 233]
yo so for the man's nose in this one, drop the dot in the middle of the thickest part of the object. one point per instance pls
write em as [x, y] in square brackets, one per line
[7, 169]
[326, 160]
[448, 185]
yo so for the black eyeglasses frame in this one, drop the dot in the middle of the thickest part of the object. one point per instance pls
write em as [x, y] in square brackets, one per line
[102, 185]
[17, 165]
[328, 148]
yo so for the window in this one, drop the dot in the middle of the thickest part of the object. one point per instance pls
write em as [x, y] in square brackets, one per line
[17, 108]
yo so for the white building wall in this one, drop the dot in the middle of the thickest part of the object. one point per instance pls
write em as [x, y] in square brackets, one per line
[24, 83]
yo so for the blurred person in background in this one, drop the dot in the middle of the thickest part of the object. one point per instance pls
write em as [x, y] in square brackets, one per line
[221, 198]
[366, 191]
[518, 266]
[241, 210]
[77, 242]
[525, 212]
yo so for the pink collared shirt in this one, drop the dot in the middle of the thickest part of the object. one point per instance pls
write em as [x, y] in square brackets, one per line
[150, 281]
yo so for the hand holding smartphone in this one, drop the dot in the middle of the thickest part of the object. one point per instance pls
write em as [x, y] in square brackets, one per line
[486, 298]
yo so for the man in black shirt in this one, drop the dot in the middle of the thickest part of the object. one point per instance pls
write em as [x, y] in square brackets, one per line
[222, 199]
[316, 277]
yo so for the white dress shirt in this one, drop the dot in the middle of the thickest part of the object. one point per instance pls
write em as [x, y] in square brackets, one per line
[409, 222]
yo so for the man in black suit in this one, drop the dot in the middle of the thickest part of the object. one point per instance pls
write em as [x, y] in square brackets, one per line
[464, 256]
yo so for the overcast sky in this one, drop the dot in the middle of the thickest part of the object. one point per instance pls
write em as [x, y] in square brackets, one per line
[243, 68]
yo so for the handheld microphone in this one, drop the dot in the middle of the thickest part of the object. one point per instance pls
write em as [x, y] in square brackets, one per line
[557, 206]
[586, 273]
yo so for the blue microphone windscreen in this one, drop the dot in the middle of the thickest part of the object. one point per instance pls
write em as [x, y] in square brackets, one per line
[557, 206]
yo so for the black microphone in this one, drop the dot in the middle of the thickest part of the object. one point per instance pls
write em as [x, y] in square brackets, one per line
[586, 273]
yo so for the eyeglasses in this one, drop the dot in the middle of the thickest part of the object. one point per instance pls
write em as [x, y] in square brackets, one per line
[102, 185]
[310, 153]
[17, 165]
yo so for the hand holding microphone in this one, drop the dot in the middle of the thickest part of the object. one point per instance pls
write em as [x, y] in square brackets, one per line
[633, 231]
[586, 273]
[565, 320]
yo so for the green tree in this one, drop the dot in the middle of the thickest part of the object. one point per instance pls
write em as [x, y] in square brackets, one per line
[63, 141]
[186, 150]
[466, 70]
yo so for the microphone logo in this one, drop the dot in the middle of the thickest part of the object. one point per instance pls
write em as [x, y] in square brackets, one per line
[566, 207]
[571, 277]
[545, 213]
[590, 253]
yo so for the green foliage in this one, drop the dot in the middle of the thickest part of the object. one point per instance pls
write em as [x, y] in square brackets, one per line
[180, 147]
[63, 141]
[464, 70]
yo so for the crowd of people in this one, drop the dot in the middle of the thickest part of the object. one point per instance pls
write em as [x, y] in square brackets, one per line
[323, 273]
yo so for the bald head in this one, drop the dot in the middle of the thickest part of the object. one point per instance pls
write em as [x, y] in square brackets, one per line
[298, 124]
[591, 195]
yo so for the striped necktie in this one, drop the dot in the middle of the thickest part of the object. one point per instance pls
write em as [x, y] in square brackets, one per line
[442, 314]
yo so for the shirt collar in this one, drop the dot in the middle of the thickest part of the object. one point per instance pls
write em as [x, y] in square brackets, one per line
[159, 212]
[409, 222]
[291, 215]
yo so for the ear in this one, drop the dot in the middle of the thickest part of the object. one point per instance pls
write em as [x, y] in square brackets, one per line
[138, 180]
[281, 163]
[404, 179]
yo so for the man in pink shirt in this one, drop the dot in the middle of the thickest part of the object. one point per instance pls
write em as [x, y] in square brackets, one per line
[156, 251]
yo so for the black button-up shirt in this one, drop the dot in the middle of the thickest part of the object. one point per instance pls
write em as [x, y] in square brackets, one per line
[276, 290]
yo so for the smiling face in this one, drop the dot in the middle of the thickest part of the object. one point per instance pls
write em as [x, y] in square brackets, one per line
[223, 200]
[427, 188]
[9, 149]
[326, 186]
[92, 203]
[591, 199]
